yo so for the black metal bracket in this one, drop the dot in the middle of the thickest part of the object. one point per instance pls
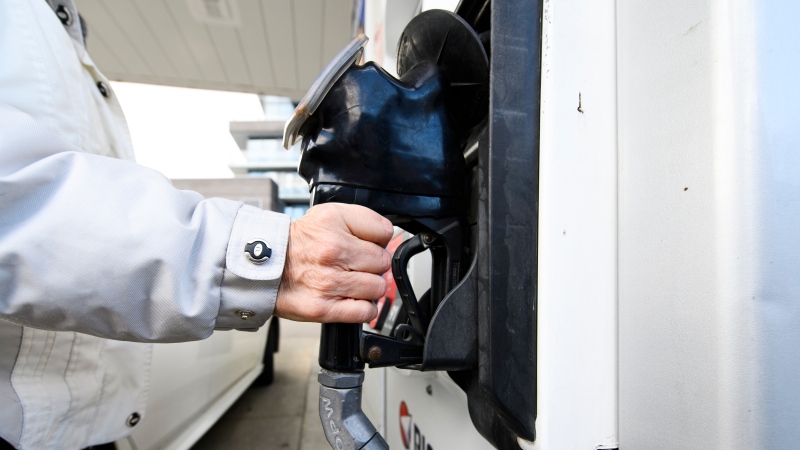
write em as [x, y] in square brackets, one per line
[501, 393]
[451, 342]
[452, 339]
[382, 351]
[414, 246]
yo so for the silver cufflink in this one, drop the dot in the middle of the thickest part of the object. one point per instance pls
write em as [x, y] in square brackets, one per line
[258, 251]
[245, 314]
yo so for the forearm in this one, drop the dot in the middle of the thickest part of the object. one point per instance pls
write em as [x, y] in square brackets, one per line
[110, 248]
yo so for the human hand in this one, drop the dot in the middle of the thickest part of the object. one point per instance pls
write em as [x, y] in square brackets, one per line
[334, 262]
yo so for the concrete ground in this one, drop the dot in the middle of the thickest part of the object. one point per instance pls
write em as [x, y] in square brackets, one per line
[282, 416]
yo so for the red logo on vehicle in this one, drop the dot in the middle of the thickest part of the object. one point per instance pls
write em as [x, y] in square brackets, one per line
[405, 424]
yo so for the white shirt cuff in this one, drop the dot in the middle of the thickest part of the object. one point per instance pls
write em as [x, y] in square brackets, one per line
[249, 286]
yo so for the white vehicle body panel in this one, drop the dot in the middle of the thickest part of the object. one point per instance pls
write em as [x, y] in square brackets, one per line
[709, 224]
[669, 234]
[192, 384]
[438, 419]
[577, 280]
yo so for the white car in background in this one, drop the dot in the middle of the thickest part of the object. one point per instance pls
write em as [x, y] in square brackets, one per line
[192, 384]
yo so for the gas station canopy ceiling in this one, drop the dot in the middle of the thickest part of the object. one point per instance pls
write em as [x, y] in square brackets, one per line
[270, 47]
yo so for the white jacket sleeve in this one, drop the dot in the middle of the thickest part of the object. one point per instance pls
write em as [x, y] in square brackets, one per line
[109, 248]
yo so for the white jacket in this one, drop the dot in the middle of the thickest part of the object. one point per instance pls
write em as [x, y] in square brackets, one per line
[94, 248]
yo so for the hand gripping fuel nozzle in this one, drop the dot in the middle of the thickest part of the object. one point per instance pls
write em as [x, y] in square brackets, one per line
[396, 146]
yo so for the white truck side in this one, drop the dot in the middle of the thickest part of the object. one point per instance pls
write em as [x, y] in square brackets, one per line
[669, 236]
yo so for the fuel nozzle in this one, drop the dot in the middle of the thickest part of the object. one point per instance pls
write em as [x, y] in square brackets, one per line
[396, 146]
[346, 425]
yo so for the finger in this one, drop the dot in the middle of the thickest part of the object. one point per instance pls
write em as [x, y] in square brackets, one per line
[367, 225]
[351, 311]
[363, 256]
[360, 285]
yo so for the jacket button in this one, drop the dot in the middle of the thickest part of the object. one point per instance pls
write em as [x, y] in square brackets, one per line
[133, 419]
[101, 86]
[64, 15]
[258, 251]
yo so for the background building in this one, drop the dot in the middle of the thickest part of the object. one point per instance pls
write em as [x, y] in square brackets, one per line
[261, 144]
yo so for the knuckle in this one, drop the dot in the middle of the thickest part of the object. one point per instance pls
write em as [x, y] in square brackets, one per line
[329, 251]
[387, 225]
[318, 280]
[387, 261]
[375, 287]
[341, 311]
[380, 287]
[327, 282]
[355, 311]
[380, 261]
[317, 311]
[368, 313]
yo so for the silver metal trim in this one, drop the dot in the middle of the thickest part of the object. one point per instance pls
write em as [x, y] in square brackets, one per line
[349, 55]
[245, 314]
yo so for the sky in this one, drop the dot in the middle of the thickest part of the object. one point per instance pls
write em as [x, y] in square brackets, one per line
[183, 133]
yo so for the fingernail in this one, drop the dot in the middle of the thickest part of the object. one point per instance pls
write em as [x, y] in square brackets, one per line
[389, 227]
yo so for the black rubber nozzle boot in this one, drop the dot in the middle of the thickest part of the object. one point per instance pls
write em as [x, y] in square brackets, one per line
[386, 144]
[396, 145]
